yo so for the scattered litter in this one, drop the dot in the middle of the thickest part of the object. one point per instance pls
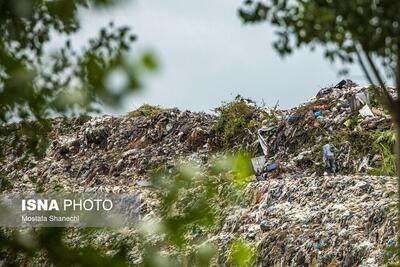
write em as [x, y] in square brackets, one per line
[258, 164]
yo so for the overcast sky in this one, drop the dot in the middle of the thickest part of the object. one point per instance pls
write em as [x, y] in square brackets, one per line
[208, 56]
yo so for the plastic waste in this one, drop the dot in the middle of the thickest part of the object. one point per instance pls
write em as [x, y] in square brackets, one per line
[366, 111]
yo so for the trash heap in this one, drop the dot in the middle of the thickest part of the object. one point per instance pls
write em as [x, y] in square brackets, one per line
[297, 218]
[111, 153]
[341, 220]
[105, 151]
[346, 114]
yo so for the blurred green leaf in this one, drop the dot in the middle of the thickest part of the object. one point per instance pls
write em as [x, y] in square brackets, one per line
[242, 254]
[242, 169]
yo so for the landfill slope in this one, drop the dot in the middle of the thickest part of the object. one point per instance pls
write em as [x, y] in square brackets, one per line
[109, 153]
[298, 218]
[341, 220]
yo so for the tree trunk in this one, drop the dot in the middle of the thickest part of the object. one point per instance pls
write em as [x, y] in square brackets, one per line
[395, 114]
[396, 124]
[395, 111]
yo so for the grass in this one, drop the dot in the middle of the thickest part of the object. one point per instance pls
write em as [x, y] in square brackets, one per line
[146, 110]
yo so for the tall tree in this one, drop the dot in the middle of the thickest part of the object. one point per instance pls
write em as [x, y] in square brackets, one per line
[36, 84]
[363, 31]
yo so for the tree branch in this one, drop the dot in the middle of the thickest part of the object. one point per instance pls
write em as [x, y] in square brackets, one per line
[390, 101]
[364, 68]
[374, 68]
[397, 74]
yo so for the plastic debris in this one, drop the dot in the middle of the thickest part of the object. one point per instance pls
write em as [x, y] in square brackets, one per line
[258, 164]
[317, 114]
[366, 111]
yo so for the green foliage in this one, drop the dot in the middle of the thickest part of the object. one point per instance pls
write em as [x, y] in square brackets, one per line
[146, 110]
[195, 198]
[233, 118]
[375, 97]
[242, 169]
[236, 119]
[242, 254]
[193, 201]
[204, 255]
[340, 29]
[50, 241]
[383, 144]
[5, 182]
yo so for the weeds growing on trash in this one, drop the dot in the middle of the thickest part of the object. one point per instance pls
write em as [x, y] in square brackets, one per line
[146, 110]
[383, 143]
[236, 119]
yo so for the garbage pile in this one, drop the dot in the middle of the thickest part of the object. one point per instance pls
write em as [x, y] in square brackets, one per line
[116, 151]
[340, 220]
[346, 114]
[110, 154]
[298, 217]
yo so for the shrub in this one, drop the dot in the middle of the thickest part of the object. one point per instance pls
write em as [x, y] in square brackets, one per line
[236, 120]
[383, 143]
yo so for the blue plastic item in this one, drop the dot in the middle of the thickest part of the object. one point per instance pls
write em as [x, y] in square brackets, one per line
[391, 243]
[317, 114]
[271, 167]
[319, 245]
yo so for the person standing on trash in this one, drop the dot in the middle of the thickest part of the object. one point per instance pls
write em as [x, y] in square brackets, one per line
[329, 158]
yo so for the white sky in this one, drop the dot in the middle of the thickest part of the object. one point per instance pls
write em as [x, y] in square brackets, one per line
[208, 56]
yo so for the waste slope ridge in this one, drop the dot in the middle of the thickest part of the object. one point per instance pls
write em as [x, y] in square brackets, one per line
[116, 151]
[109, 153]
[341, 220]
